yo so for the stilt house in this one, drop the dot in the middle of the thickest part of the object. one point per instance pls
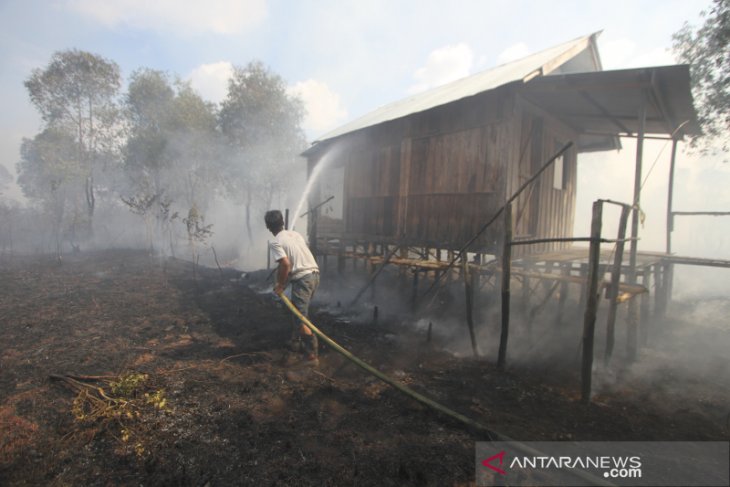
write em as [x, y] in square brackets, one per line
[430, 170]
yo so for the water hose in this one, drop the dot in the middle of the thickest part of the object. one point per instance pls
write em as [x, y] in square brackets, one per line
[388, 380]
[491, 435]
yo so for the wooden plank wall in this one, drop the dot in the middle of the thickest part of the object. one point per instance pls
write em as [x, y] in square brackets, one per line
[457, 164]
[455, 185]
[549, 212]
[372, 178]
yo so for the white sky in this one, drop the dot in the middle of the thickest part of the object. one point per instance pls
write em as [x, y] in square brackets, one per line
[347, 57]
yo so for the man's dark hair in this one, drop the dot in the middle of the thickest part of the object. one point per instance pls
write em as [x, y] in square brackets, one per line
[274, 220]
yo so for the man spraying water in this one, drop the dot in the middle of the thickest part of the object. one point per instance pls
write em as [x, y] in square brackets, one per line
[297, 266]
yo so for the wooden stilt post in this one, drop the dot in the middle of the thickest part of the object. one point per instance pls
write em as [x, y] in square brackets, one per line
[618, 258]
[589, 323]
[668, 271]
[373, 275]
[450, 256]
[644, 321]
[658, 288]
[341, 258]
[414, 295]
[526, 287]
[469, 292]
[583, 272]
[668, 278]
[506, 270]
[633, 318]
[475, 286]
[565, 271]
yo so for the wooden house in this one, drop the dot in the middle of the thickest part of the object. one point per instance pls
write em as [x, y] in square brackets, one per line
[430, 170]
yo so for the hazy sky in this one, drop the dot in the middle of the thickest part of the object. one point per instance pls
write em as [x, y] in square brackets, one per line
[346, 58]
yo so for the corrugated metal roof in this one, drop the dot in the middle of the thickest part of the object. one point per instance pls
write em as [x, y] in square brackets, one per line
[524, 69]
[608, 102]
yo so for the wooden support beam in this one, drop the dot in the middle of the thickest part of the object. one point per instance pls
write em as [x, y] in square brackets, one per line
[644, 300]
[613, 289]
[341, 258]
[583, 274]
[700, 213]
[414, 293]
[526, 291]
[615, 120]
[469, 292]
[666, 284]
[589, 322]
[565, 271]
[506, 268]
[633, 318]
[658, 289]
[374, 275]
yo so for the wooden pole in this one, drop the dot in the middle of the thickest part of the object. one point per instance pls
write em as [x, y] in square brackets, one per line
[506, 270]
[668, 273]
[633, 318]
[644, 323]
[583, 272]
[373, 276]
[563, 294]
[469, 292]
[659, 288]
[589, 322]
[670, 197]
[414, 294]
[618, 258]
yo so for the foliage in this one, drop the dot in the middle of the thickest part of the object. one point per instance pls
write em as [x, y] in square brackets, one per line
[75, 94]
[170, 156]
[198, 231]
[49, 172]
[707, 50]
[128, 408]
[161, 149]
[261, 123]
[5, 179]
[48, 163]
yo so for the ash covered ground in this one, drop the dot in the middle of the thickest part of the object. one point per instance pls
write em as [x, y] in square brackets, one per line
[118, 368]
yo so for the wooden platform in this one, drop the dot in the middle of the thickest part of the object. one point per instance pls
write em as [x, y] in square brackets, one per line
[677, 259]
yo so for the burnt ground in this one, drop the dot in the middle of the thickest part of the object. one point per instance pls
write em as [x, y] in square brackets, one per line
[117, 368]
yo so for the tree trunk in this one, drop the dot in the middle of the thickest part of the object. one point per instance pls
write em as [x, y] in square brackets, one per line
[248, 216]
[90, 203]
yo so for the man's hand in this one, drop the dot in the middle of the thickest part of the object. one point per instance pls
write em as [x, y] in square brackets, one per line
[279, 288]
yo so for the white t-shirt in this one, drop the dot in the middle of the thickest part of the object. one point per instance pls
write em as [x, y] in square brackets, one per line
[290, 244]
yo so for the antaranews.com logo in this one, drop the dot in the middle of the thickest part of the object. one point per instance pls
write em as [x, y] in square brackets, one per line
[621, 463]
[612, 467]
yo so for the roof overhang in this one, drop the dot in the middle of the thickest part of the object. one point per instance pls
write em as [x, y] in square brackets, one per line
[604, 105]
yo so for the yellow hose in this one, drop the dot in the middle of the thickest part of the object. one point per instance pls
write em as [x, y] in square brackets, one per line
[406, 390]
[491, 435]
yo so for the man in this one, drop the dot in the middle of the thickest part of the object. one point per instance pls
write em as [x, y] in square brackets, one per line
[296, 265]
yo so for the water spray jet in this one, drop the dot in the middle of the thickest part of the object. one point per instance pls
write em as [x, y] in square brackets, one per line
[324, 161]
